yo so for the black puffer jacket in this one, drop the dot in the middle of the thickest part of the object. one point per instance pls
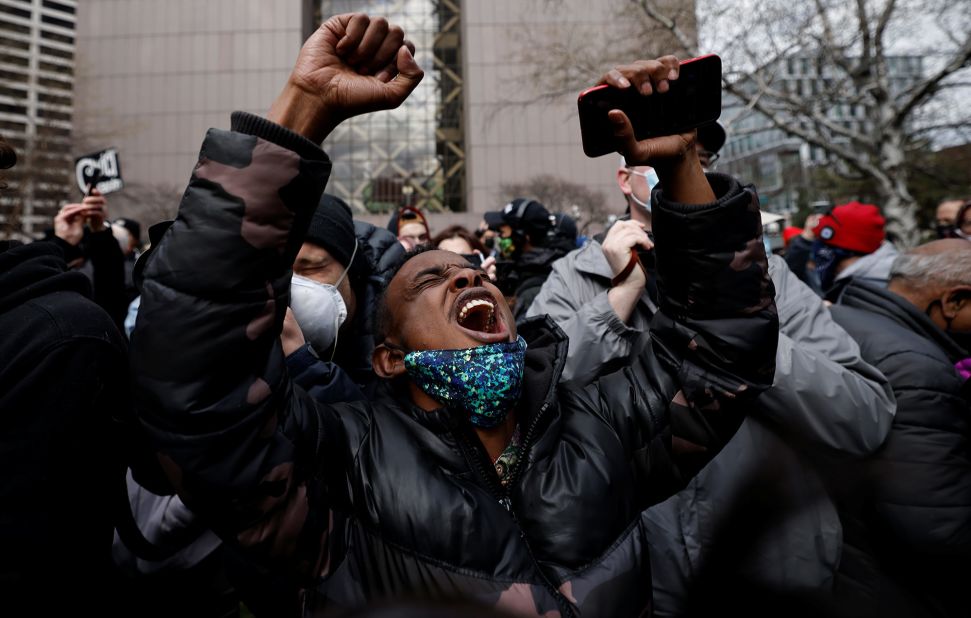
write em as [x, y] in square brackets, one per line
[381, 499]
[908, 517]
[63, 383]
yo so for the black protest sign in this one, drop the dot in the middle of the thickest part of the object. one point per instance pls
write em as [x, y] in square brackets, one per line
[103, 169]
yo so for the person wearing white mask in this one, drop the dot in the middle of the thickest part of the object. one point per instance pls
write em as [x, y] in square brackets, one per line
[328, 278]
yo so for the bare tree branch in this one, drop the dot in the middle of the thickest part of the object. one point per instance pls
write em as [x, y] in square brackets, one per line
[830, 46]
[652, 12]
[884, 21]
[960, 60]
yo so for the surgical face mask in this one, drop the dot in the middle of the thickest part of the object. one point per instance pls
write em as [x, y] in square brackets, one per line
[650, 176]
[484, 382]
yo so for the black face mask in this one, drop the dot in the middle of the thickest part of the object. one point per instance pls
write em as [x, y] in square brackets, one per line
[960, 338]
[946, 230]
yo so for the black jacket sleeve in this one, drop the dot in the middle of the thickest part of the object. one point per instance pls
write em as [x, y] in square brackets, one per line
[324, 381]
[713, 340]
[108, 264]
[241, 445]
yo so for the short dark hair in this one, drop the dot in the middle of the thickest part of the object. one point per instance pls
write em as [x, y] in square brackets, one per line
[382, 313]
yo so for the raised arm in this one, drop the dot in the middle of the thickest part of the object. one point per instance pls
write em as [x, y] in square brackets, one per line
[715, 334]
[244, 448]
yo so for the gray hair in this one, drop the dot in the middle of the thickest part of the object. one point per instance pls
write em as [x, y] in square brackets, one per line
[944, 269]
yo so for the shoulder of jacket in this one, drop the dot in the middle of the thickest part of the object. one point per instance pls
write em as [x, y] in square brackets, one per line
[890, 346]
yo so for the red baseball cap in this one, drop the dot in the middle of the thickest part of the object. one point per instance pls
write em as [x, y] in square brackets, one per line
[853, 226]
[789, 233]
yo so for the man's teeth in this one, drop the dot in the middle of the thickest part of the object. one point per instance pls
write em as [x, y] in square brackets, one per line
[472, 304]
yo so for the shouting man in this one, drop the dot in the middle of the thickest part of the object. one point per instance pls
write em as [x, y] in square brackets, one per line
[472, 471]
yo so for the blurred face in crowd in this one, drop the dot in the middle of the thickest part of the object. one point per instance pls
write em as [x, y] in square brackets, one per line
[486, 235]
[635, 185]
[947, 212]
[314, 262]
[947, 302]
[811, 222]
[439, 301]
[412, 234]
[964, 225]
[456, 244]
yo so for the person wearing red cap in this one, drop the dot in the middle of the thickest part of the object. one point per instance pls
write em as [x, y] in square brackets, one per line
[851, 242]
[789, 233]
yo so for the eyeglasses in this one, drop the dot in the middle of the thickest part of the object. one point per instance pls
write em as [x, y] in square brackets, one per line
[708, 158]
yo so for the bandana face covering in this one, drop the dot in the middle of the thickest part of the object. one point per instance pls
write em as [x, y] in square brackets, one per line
[484, 382]
[827, 259]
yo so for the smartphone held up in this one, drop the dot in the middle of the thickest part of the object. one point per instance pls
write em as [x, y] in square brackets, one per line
[692, 100]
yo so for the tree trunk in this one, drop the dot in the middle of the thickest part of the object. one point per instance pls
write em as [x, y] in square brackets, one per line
[899, 205]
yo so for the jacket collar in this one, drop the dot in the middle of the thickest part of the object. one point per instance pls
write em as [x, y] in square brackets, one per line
[872, 298]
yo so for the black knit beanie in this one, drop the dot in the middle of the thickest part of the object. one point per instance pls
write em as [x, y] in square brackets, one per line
[332, 227]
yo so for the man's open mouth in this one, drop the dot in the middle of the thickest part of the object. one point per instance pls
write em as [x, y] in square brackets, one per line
[477, 314]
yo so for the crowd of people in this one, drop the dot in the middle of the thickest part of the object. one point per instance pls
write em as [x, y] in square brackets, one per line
[267, 404]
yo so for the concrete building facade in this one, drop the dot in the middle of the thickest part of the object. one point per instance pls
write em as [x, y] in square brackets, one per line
[37, 44]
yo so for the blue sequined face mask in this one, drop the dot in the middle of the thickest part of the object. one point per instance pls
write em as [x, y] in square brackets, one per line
[484, 382]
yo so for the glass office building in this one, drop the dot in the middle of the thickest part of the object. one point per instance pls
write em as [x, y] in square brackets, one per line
[412, 155]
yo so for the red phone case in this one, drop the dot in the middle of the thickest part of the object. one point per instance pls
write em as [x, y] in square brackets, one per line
[596, 131]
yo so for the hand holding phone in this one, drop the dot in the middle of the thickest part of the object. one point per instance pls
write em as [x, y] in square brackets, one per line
[673, 155]
[656, 98]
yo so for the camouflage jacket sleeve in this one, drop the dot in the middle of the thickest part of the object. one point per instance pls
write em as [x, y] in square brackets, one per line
[717, 327]
[242, 446]
[713, 340]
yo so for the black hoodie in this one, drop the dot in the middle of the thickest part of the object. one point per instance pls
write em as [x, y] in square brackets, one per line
[63, 377]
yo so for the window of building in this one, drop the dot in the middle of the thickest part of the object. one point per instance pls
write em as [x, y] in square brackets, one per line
[57, 53]
[55, 21]
[57, 6]
[47, 35]
[12, 10]
[414, 154]
[10, 26]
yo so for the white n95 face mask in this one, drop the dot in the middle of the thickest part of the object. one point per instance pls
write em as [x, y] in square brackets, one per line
[320, 311]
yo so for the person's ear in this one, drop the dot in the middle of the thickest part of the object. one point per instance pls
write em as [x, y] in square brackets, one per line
[623, 180]
[388, 362]
[954, 300]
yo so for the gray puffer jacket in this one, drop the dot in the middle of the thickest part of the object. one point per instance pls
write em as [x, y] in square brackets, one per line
[825, 400]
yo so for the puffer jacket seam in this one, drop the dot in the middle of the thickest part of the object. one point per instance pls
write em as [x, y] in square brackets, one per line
[370, 531]
[621, 538]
